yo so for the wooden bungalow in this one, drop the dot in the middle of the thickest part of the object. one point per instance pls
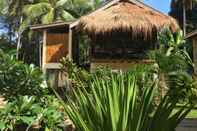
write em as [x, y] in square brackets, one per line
[121, 33]
[58, 42]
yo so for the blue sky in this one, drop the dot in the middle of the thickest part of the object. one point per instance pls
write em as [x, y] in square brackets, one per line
[161, 5]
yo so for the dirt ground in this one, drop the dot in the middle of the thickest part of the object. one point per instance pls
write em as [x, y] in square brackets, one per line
[187, 125]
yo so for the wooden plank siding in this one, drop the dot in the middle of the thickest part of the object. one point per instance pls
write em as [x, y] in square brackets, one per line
[56, 47]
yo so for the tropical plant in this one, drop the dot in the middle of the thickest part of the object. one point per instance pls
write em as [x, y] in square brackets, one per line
[81, 7]
[119, 103]
[77, 76]
[28, 113]
[48, 11]
[13, 11]
[172, 57]
[21, 111]
[5, 45]
[17, 78]
[172, 52]
[57, 10]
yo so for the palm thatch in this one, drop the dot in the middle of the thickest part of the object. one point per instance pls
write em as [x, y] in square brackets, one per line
[124, 16]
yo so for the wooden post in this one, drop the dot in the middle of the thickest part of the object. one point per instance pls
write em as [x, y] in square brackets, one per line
[44, 51]
[40, 54]
[184, 18]
[70, 44]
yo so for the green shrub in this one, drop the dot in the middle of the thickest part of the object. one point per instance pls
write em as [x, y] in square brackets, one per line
[28, 113]
[17, 78]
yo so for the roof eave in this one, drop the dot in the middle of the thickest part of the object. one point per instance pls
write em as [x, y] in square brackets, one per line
[191, 34]
[49, 26]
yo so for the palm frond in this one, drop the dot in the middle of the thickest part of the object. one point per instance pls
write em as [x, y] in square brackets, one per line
[36, 10]
[61, 3]
[66, 16]
[49, 17]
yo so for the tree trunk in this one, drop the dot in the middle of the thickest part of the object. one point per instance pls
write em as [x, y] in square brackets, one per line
[19, 40]
[184, 19]
[18, 46]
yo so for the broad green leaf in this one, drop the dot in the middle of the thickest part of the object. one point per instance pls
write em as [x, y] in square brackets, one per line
[61, 3]
[66, 16]
[27, 120]
[49, 17]
[2, 126]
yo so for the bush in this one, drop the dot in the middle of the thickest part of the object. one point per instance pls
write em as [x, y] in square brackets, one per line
[29, 105]
[17, 78]
[27, 113]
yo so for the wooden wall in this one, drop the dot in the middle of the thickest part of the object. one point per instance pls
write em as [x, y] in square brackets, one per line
[56, 47]
[123, 65]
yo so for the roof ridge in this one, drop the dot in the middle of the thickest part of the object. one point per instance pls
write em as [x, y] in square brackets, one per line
[144, 4]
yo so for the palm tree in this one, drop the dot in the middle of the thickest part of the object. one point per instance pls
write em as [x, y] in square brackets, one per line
[13, 10]
[48, 11]
[54, 10]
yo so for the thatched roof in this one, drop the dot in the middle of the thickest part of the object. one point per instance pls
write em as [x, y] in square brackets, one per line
[128, 16]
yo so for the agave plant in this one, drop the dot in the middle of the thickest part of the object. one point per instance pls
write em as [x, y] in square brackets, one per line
[119, 103]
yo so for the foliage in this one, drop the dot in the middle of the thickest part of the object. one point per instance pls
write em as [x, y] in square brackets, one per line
[17, 78]
[174, 62]
[172, 55]
[119, 103]
[81, 7]
[5, 45]
[107, 100]
[48, 11]
[28, 105]
[57, 10]
[84, 50]
[78, 76]
[28, 113]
